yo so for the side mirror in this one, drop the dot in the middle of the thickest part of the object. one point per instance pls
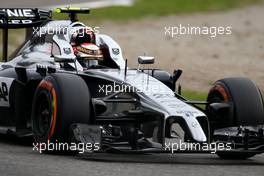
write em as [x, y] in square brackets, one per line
[146, 60]
[176, 75]
[64, 59]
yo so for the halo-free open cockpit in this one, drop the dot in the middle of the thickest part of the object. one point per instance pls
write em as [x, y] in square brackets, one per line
[47, 41]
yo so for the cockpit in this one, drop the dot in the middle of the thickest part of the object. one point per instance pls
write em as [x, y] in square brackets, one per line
[68, 39]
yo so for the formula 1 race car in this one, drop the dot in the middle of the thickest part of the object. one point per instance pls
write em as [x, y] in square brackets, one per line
[68, 84]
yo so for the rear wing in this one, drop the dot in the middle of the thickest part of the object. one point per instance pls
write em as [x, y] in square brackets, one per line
[14, 18]
[23, 17]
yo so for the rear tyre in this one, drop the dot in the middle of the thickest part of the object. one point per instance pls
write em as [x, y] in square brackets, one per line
[60, 100]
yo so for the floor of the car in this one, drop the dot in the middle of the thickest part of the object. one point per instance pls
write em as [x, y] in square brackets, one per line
[12, 130]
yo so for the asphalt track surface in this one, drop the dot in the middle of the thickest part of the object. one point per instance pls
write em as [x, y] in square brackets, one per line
[18, 158]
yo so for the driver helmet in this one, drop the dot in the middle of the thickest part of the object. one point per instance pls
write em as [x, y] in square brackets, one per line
[82, 35]
[88, 54]
[83, 43]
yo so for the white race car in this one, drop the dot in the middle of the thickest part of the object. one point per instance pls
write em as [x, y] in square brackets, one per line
[73, 85]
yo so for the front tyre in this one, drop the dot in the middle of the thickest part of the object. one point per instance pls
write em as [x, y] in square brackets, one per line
[245, 99]
[60, 100]
[246, 109]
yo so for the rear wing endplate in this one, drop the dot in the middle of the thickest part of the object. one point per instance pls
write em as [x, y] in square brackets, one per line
[14, 18]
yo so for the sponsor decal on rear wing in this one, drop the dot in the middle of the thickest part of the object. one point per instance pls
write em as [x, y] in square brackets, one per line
[22, 17]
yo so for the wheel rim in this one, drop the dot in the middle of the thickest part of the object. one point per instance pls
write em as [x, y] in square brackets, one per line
[220, 94]
[43, 116]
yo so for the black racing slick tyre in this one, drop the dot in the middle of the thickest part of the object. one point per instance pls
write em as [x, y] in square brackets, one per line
[246, 108]
[245, 99]
[60, 100]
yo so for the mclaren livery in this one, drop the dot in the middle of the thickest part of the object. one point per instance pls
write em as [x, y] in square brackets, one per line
[74, 85]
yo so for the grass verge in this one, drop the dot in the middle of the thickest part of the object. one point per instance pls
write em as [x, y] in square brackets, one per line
[194, 95]
[143, 8]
